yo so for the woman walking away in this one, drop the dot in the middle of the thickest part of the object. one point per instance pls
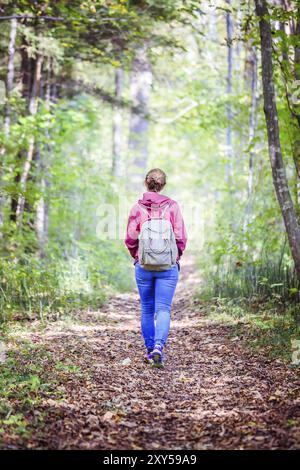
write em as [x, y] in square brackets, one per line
[156, 238]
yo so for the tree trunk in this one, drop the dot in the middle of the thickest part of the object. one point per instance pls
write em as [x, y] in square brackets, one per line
[290, 68]
[213, 30]
[295, 113]
[9, 88]
[229, 30]
[33, 106]
[275, 154]
[42, 219]
[238, 49]
[282, 28]
[10, 73]
[252, 60]
[297, 47]
[117, 124]
[141, 80]
[26, 69]
[42, 209]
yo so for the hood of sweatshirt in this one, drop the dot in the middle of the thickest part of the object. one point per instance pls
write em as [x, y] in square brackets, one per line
[152, 199]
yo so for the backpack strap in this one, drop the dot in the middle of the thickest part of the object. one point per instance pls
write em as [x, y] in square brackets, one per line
[156, 207]
[145, 211]
[164, 210]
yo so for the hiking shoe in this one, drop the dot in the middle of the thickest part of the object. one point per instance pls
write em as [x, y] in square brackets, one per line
[149, 356]
[157, 354]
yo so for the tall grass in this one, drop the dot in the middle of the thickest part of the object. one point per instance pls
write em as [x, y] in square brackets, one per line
[259, 300]
[264, 280]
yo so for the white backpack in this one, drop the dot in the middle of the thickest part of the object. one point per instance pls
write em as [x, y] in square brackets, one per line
[157, 245]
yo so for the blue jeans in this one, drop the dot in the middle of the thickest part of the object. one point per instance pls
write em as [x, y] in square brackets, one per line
[156, 289]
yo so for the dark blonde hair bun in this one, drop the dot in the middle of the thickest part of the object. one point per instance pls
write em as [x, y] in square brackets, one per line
[155, 180]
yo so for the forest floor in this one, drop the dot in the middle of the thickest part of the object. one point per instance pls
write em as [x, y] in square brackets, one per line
[84, 384]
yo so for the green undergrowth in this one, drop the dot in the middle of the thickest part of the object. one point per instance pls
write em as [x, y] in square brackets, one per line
[30, 376]
[33, 288]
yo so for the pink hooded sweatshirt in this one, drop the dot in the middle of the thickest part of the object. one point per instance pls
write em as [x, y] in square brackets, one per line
[154, 203]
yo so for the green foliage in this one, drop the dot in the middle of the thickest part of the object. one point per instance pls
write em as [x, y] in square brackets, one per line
[42, 287]
[238, 237]
[76, 268]
[270, 277]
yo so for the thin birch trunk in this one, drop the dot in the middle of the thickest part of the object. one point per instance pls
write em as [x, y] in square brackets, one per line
[252, 130]
[26, 69]
[33, 107]
[42, 209]
[238, 49]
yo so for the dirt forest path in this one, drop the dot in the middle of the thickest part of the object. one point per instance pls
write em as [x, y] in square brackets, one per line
[212, 394]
